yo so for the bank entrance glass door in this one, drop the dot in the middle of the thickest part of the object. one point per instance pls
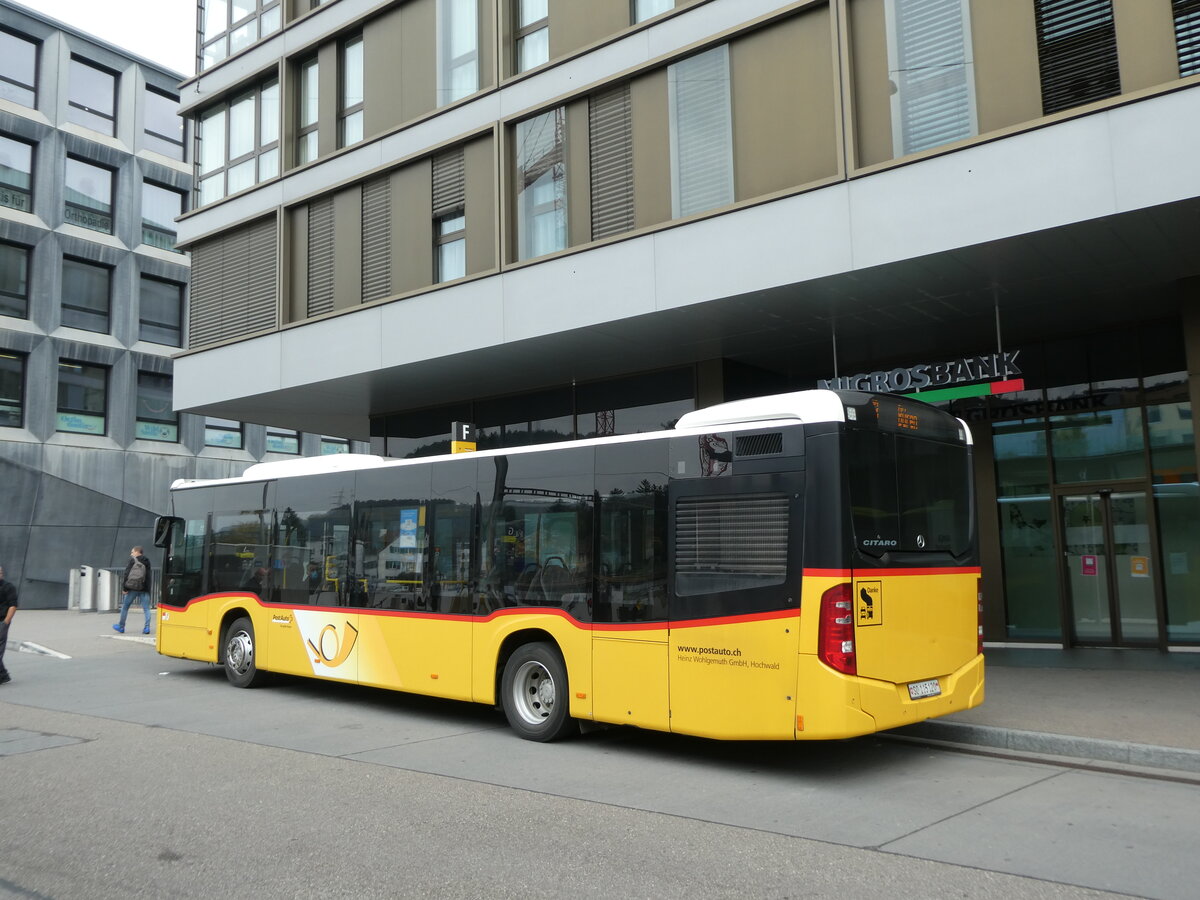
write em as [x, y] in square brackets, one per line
[1108, 566]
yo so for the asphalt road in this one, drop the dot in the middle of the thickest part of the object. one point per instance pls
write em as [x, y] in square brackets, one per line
[127, 774]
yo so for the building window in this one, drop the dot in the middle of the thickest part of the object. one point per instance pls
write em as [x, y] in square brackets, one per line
[350, 126]
[458, 50]
[14, 281]
[86, 295]
[333, 445]
[451, 247]
[12, 390]
[238, 143]
[156, 420]
[449, 216]
[280, 440]
[92, 97]
[647, 9]
[89, 193]
[1187, 35]
[307, 112]
[161, 206]
[541, 178]
[82, 398]
[18, 69]
[701, 132]
[533, 34]
[1077, 52]
[233, 25]
[160, 314]
[222, 433]
[930, 63]
[162, 128]
[16, 174]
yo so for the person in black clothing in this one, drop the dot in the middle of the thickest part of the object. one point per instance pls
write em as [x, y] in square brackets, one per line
[8, 608]
[136, 588]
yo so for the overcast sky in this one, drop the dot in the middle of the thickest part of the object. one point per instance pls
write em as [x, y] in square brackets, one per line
[162, 31]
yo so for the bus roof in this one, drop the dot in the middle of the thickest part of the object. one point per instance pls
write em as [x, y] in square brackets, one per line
[818, 405]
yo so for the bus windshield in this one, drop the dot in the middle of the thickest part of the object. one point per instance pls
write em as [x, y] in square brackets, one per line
[908, 494]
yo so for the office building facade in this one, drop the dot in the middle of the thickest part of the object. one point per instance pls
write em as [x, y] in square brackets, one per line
[559, 219]
[95, 167]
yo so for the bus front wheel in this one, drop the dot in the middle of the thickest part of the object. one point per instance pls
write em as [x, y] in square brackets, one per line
[240, 667]
[534, 693]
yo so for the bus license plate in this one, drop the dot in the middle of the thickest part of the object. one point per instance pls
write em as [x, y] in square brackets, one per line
[919, 690]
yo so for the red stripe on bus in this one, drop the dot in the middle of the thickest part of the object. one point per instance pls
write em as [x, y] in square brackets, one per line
[864, 572]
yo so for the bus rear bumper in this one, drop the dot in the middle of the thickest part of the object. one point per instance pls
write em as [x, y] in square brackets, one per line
[891, 705]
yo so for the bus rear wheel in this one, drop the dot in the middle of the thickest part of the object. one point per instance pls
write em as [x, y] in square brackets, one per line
[238, 655]
[533, 692]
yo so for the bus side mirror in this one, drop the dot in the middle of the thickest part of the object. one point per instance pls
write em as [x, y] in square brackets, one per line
[162, 530]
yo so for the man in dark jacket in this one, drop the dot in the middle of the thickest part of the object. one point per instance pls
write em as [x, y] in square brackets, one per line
[8, 608]
[136, 586]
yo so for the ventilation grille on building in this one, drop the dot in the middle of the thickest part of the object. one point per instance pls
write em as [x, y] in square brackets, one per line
[611, 139]
[377, 238]
[730, 542]
[1187, 36]
[758, 444]
[320, 256]
[233, 285]
[1077, 52]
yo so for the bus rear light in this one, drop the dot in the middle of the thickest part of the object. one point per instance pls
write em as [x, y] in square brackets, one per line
[835, 632]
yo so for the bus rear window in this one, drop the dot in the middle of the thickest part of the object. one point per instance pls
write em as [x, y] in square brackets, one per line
[908, 494]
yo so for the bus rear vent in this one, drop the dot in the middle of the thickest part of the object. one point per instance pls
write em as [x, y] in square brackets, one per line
[758, 444]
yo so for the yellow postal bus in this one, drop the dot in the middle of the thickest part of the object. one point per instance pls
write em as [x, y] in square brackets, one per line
[800, 566]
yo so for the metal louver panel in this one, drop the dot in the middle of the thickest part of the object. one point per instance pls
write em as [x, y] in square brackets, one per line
[377, 238]
[320, 256]
[1187, 35]
[611, 142]
[1077, 52]
[259, 305]
[931, 76]
[449, 183]
[701, 132]
[235, 294]
[730, 542]
[204, 300]
[758, 444]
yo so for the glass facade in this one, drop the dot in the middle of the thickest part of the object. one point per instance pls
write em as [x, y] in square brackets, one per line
[1098, 509]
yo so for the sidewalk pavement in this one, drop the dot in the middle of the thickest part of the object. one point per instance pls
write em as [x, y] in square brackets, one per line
[1124, 708]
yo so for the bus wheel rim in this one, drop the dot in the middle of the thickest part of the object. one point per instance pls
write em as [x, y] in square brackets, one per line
[533, 693]
[240, 652]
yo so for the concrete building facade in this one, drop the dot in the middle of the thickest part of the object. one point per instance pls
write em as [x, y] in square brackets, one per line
[95, 167]
[559, 219]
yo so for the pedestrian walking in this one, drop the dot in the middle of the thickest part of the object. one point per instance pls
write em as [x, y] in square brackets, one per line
[8, 609]
[136, 586]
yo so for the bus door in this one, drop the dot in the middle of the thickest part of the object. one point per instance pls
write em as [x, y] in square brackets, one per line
[629, 615]
[734, 598]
